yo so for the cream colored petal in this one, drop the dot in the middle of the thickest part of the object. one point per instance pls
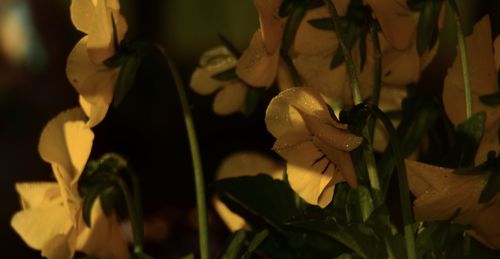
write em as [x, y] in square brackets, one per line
[271, 25]
[330, 135]
[58, 248]
[104, 238]
[66, 141]
[256, 67]
[398, 22]
[399, 67]
[230, 99]
[243, 164]
[203, 83]
[82, 14]
[308, 174]
[39, 226]
[100, 35]
[212, 62]
[312, 41]
[482, 74]
[95, 108]
[341, 161]
[248, 163]
[95, 83]
[282, 114]
[489, 142]
[486, 228]
[38, 195]
[284, 78]
[440, 193]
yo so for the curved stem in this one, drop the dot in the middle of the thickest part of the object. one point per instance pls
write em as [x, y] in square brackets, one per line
[377, 77]
[196, 160]
[347, 53]
[464, 58]
[133, 214]
[404, 192]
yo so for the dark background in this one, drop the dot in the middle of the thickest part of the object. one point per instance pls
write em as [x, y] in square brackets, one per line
[148, 128]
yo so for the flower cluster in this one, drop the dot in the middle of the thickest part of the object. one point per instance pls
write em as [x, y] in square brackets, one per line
[51, 217]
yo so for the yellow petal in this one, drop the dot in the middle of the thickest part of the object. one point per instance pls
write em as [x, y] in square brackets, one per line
[270, 23]
[398, 22]
[284, 78]
[230, 99]
[104, 238]
[82, 14]
[486, 228]
[341, 161]
[212, 62]
[256, 67]
[312, 41]
[58, 248]
[309, 175]
[66, 141]
[95, 109]
[483, 77]
[282, 114]
[39, 226]
[38, 195]
[248, 164]
[243, 164]
[95, 83]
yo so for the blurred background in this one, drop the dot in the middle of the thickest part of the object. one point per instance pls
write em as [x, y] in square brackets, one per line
[35, 40]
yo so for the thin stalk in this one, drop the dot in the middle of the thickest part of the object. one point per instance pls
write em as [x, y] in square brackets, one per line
[133, 214]
[347, 53]
[196, 159]
[404, 192]
[464, 58]
[371, 168]
[377, 77]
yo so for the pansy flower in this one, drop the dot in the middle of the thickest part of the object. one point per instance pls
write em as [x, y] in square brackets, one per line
[314, 143]
[51, 216]
[231, 94]
[102, 23]
[243, 164]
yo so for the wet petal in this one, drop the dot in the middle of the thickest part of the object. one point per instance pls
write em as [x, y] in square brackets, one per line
[230, 99]
[282, 114]
[212, 62]
[256, 67]
[313, 41]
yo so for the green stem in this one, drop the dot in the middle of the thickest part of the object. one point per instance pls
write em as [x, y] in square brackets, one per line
[347, 53]
[196, 159]
[133, 215]
[377, 77]
[371, 168]
[463, 56]
[402, 182]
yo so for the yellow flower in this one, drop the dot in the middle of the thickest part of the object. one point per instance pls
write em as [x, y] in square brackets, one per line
[315, 145]
[440, 193]
[85, 70]
[243, 164]
[51, 219]
[258, 66]
[231, 96]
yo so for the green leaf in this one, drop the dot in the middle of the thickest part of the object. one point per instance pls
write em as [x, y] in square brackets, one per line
[109, 197]
[126, 78]
[252, 100]
[292, 23]
[365, 202]
[322, 24]
[142, 255]
[254, 244]
[467, 138]
[88, 201]
[274, 202]
[226, 75]
[492, 187]
[491, 99]
[427, 25]
[233, 248]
